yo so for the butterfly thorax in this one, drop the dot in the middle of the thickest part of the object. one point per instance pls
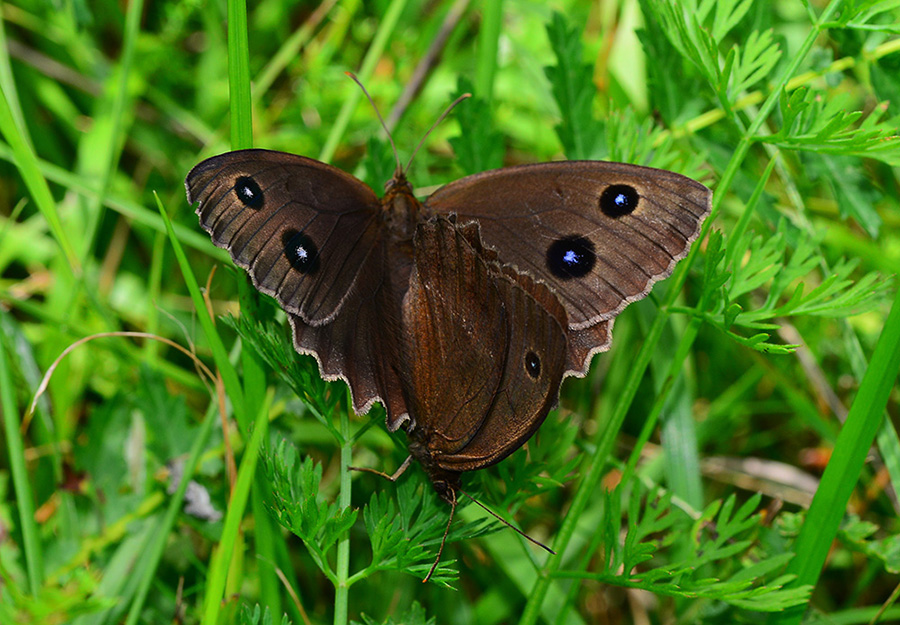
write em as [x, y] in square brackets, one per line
[400, 208]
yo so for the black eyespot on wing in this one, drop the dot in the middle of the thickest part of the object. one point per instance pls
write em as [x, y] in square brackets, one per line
[618, 200]
[532, 365]
[571, 257]
[248, 192]
[300, 251]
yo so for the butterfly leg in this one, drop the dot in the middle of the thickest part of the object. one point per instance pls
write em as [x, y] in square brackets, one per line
[392, 478]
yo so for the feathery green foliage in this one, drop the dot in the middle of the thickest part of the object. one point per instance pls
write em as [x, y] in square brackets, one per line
[717, 536]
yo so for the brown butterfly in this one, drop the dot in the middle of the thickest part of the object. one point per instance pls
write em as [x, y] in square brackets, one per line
[462, 314]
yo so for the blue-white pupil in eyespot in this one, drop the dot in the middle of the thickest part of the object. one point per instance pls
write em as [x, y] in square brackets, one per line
[300, 251]
[618, 200]
[248, 192]
[570, 257]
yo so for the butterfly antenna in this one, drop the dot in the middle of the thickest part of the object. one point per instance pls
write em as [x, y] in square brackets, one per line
[380, 118]
[508, 524]
[434, 125]
[443, 541]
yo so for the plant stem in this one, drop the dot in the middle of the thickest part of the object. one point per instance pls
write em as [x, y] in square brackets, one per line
[342, 570]
[488, 44]
[239, 76]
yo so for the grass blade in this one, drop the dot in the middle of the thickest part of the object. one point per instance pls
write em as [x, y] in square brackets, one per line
[219, 568]
[843, 470]
[26, 161]
[18, 467]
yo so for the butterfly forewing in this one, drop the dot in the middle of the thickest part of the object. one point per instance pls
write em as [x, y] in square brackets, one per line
[600, 234]
[359, 346]
[303, 229]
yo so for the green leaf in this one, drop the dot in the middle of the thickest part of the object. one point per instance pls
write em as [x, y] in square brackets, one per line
[728, 15]
[867, 538]
[827, 126]
[722, 538]
[669, 73]
[253, 616]
[748, 64]
[856, 196]
[640, 141]
[406, 538]
[571, 81]
[682, 25]
[301, 373]
[478, 147]
[298, 506]
[414, 615]
[870, 14]
[765, 264]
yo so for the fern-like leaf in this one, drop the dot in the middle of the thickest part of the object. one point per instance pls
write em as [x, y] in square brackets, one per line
[826, 126]
[723, 538]
[571, 80]
[748, 64]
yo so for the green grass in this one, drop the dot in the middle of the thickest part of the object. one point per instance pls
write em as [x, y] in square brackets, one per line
[673, 482]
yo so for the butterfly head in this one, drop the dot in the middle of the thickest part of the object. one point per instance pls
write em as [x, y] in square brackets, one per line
[447, 488]
[397, 184]
[445, 482]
